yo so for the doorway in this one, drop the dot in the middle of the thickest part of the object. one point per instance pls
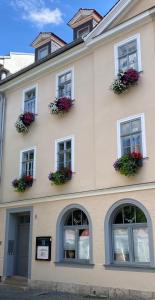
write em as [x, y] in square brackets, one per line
[18, 244]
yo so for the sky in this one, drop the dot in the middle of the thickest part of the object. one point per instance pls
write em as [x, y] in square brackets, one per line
[22, 20]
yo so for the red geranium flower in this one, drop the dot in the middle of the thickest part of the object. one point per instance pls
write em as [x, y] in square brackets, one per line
[64, 104]
[136, 155]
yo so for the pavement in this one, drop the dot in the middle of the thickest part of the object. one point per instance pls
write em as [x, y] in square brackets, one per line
[11, 293]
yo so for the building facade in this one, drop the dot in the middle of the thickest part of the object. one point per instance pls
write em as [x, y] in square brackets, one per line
[95, 233]
[13, 62]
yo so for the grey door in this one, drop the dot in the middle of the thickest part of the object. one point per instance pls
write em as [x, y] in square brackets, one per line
[23, 245]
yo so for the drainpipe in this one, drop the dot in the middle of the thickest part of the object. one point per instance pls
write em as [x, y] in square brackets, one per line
[2, 118]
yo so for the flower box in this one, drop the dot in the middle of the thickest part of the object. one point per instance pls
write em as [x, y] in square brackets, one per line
[129, 164]
[61, 176]
[61, 105]
[125, 80]
[22, 183]
[24, 121]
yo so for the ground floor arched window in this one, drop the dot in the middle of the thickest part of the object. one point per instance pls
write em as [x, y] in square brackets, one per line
[129, 235]
[74, 236]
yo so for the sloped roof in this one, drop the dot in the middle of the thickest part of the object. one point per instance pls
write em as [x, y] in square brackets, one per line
[82, 13]
[43, 36]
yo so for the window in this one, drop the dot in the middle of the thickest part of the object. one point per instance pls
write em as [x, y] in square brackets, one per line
[43, 52]
[128, 55]
[64, 153]
[65, 84]
[83, 32]
[30, 100]
[76, 236]
[27, 163]
[130, 239]
[131, 135]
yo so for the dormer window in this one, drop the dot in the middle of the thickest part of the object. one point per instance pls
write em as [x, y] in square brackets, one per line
[43, 52]
[46, 43]
[84, 21]
[83, 32]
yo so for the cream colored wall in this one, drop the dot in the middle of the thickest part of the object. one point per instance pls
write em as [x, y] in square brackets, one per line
[46, 129]
[46, 216]
[92, 121]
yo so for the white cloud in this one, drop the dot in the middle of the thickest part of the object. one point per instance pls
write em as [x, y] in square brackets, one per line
[45, 16]
[37, 12]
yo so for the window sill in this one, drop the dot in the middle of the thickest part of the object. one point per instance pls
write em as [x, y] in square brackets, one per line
[127, 267]
[74, 264]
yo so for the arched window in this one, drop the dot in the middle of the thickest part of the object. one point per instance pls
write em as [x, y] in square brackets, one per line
[73, 240]
[129, 235]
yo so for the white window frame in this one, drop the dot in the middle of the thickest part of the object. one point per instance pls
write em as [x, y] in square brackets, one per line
[72, 80]
[72, 138]
[41, 49]
[130, 39]
[36, 100]
[119, 148]
[78, 31]
[34, 164]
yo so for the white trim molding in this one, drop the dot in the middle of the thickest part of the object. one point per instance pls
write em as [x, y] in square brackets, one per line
[29, 88]
[118, 9]
[128, 40]
[142, 117]
[72, 138]
[72, 81]
[34, 162]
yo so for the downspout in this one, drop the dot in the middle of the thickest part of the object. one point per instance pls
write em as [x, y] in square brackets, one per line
[2, 120]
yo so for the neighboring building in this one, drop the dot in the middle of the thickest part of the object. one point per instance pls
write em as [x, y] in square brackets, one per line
[14, 62]
[96, 232]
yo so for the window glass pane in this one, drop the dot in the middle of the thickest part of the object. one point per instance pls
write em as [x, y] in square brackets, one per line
[136, 142]
[121, 245]
[77, 217]
[122, 51]
[133, 61]
[25, 156]
[119, 218]
[140, 217]
[68, 145]
[68, 156]
[123, 64]
[68, 76]
[43, 52]
[29, 95]
[126, 145]
[141, 245]
[62, 78]
[83, 244]
[129, 214]
[136, 125]
[68, 221]
[61, 146]
[84, 219]
[132, 46]
[126, 128]
[69, 239]
[70, 254]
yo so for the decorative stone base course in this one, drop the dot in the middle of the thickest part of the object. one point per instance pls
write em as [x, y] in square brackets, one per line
[84, 290]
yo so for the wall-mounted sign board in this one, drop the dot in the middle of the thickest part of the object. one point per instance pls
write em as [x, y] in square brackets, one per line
[43, 248]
